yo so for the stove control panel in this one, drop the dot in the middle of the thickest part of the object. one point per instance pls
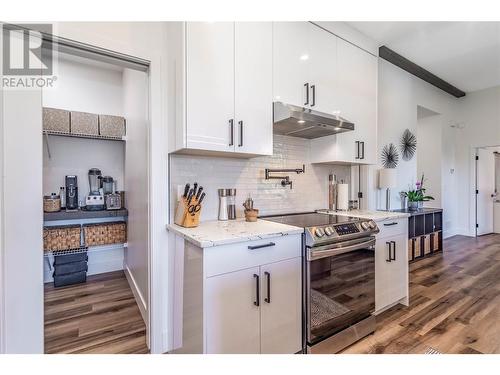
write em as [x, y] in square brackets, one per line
[345, 229]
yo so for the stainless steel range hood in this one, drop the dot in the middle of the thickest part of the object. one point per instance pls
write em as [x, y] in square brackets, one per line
[306, 123]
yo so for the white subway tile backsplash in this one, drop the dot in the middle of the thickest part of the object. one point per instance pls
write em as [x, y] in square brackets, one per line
[310, 189]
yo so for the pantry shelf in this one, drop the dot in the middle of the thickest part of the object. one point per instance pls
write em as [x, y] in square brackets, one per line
[86, 136]
[83, 249]
[83, 214]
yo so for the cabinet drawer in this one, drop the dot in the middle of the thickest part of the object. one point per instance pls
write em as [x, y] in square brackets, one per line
[390, 227]
[233, 257]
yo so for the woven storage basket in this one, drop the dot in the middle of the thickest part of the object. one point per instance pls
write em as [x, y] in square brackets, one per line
[111, 126]
[61, 237]
[105, 233]
[84, 123]
[56, 120]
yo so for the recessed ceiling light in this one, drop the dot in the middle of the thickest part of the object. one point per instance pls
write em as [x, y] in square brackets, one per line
[304, 57]
[301, 121]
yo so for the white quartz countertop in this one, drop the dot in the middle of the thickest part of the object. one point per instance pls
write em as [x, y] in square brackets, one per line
[215, 233]
[374, 215]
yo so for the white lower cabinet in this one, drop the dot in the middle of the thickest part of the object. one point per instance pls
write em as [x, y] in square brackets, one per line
[391, 266]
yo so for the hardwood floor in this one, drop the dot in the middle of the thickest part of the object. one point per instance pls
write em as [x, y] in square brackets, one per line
[454, 304]
[100, 316]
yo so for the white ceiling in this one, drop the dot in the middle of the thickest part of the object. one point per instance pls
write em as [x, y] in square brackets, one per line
[465, 54]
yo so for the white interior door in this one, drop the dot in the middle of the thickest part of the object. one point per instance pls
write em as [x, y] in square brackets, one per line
[253, 87]
[232, 320]
[485, 186]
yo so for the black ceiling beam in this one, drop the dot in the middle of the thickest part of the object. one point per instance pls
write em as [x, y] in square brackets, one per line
[418, 71]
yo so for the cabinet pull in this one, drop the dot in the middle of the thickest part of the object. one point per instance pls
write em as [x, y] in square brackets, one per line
[357, 149]
[231, 132]
[257, 290]
[261, 246]
[306, 85]
[241, 133]
[362, 150]
[268, 277]
[393, 250]
[313, 88]
[389, 259]
[390, 224]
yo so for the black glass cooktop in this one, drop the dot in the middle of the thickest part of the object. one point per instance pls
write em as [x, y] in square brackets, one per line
[310, 219]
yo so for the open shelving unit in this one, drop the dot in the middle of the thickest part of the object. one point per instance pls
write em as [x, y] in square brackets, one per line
[425, 233]
[85, 136]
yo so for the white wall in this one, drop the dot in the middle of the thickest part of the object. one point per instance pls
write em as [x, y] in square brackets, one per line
[309, 193]
[478, 120]
[135, 103]
[399, 95]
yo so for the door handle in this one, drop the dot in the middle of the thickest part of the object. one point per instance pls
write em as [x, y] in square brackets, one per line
[257, 290]
[306, 85]
[357, 149]
[393, 250]
[313, 89]
[231, 132]
[241, 133]
[362, 150]
[389, 258]
[261, 246]
[268, 277]
[390, 224]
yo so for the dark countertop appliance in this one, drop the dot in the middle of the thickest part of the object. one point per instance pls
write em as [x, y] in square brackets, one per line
[71, 192]
[339, 278]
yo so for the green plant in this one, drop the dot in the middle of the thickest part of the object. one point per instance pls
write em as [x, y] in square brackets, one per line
[418, 194]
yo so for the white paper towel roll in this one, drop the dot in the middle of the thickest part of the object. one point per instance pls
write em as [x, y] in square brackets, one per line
[343, 197]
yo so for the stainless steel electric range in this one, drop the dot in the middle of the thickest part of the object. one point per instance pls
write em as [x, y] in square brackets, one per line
[338, 278]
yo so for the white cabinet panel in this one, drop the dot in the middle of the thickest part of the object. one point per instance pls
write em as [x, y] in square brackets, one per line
[210, 85]
[290, 62]
[281, 315]
[253, 61]
[232, 320]
[391, 276]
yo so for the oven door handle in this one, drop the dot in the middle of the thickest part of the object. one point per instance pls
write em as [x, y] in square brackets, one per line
[318, 254]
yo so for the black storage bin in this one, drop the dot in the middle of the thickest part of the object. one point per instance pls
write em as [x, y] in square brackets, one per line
[73, 267]
[70, 279]
[70, 258]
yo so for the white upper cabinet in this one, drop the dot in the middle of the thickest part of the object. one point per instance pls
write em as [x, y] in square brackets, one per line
[221, 76]
[210, 85]
[291, 61]
[253, 87]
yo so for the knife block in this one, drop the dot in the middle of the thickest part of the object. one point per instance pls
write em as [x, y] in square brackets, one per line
[183, 217]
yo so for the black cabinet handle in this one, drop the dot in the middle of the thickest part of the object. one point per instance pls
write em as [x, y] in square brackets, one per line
[231, 132]
[313, 88]
[362, 150]
[241, 133]
[306, 85]
[261, 246]
[257, 290]
[393, 250]
[389, 259]
[357, 149]
[390, 224]
[268, 277]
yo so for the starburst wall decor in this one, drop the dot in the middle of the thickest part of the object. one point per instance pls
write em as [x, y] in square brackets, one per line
[408, 145]
[390, 156]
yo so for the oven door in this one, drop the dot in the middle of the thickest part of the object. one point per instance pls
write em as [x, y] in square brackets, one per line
[340, 287]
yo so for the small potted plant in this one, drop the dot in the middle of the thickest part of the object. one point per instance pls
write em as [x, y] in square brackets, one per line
[416, 197]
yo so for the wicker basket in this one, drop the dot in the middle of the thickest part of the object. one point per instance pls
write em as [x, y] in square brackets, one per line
[105, 233]
[84, 123]
[111, 126]
[61, 237]
[56, 120]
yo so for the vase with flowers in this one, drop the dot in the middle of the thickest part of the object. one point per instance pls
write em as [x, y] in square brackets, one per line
[416, 197]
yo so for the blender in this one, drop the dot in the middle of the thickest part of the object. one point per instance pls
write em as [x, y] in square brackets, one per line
[95, 200]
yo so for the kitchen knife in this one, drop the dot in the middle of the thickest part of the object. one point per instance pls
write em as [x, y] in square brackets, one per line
[195, 186]
[186, 190]
[199, 193]
[201, 198]
[190, 195]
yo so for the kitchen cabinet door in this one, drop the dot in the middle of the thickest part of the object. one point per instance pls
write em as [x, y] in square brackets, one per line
[253, 87]
[281, 314]
[291, 62]
[232, 320]
[357, 87]
[210, 85]
[391, 276]
[324, 90]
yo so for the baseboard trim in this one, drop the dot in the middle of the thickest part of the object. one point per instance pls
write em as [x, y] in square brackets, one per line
[139, 299]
